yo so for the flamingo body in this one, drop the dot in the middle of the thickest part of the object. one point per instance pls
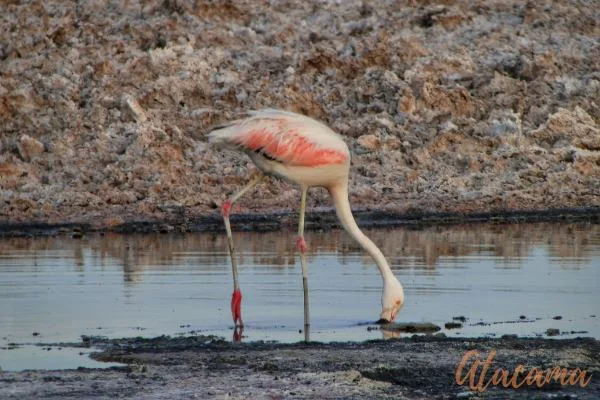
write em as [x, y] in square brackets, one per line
[287, 145]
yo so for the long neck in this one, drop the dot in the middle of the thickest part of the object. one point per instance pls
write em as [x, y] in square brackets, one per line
[339, 193]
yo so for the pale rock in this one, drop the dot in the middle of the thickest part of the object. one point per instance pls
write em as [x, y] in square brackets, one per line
[369, 142]
[161, 56]
[241, 96]
[407, 102]
[503, 127]
[114, 196]
[29, 148]
[568, 126]
[131, 109]
[503, 84]
[393, 143]
[570, 86]
[448, 126]
[386, 123]
[421, 157]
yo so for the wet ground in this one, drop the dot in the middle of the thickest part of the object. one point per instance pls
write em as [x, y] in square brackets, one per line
[408, 368]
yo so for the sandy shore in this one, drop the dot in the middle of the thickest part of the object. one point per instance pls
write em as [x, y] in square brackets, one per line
[408, 368]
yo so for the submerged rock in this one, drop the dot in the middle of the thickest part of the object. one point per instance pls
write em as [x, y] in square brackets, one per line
[453, 325]
[411, 327]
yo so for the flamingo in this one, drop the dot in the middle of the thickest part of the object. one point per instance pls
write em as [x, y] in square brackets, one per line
[305, 152]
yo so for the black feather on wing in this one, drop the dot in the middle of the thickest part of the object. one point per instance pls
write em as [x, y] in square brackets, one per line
[266, 155]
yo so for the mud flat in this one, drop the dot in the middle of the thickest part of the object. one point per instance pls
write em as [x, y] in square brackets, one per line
[205, 367]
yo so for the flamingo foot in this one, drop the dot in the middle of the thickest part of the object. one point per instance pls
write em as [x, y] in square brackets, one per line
[238, 334]
[236, 307]
[301, 245]
[226, 208]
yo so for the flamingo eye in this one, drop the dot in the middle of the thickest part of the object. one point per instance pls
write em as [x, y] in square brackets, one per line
[397, 302]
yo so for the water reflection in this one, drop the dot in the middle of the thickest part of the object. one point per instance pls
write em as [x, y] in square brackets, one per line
[570, 245]
[125, 285]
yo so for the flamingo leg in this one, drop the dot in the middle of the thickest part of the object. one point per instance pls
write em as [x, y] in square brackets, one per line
[236, 298]
[301, 245]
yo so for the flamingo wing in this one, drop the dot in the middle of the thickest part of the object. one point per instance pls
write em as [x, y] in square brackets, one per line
[284, 137]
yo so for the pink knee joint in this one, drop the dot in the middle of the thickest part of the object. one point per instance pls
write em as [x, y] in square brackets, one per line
[226, 208]
[301, 244]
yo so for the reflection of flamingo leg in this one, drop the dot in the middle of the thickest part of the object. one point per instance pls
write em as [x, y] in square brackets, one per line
[236, 298]
[301, 244]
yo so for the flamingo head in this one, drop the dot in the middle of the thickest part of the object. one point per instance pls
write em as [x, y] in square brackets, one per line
[391, 300]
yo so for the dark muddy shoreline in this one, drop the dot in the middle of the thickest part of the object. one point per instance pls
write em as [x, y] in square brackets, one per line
[413, 367]
[319, 220]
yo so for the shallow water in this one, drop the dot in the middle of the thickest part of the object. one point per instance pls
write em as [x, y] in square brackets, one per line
[148, 285]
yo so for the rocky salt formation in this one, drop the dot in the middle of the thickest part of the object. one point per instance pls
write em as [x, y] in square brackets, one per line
[447, 106]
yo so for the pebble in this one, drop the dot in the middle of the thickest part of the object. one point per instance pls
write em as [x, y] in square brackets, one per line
[453, 325]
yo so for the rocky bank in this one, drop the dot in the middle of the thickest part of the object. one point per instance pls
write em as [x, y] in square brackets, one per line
[449, 105]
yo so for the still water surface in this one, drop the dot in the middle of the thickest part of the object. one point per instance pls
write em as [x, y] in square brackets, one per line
[148, 285]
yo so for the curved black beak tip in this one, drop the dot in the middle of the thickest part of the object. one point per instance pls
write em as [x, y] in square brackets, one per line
[382, 321]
